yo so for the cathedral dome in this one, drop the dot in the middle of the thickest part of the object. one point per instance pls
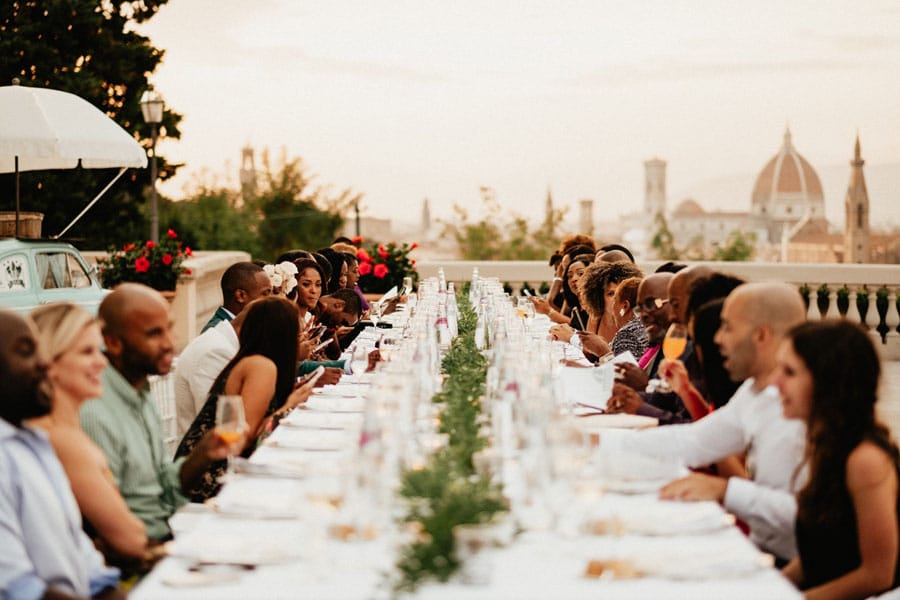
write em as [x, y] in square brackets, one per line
[787, 190]
[688, 208]
[787, 181]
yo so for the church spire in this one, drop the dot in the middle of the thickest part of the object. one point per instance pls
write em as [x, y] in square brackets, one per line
[787, 137]
[548, 207]
[856, 212]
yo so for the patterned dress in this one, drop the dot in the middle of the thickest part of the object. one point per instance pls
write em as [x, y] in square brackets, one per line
[631, 336]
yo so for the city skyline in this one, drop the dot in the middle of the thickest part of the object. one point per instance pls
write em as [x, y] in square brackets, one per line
[410, 100]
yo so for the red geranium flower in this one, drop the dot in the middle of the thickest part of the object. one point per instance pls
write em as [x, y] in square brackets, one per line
[414, 246]
[357, 240]
[365, 268]
[380, 271]
[413, 262]
[150, 244]
[128, 247]
[188, 251]
[167, 258]
[142, 265]
[188, 272]
[362, 255]
[171, 233]
[382, 251]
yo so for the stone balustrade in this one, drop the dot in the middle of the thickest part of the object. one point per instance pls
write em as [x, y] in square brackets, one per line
[864, 293]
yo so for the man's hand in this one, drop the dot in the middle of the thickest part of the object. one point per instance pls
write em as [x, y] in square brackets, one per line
[695, 487]
[623, 400]
[676, 375]
[331, 376]
[374, 359]
[631, 375]
[215, 446]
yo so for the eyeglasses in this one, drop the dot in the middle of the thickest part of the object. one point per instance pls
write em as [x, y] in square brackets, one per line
[649, 305]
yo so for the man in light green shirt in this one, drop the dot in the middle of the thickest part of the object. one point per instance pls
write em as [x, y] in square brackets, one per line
[124, 422]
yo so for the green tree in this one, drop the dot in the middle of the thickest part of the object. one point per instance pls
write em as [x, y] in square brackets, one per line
[663, 241]
[89, 48]
[293, 212]
[499, 237]
[214, 219]
[739, 246]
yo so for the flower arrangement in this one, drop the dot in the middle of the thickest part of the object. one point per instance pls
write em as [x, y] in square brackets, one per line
[385, 266]
[283, 277]
[158, 265]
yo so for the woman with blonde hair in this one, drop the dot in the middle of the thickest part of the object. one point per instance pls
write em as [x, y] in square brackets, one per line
[71, 339]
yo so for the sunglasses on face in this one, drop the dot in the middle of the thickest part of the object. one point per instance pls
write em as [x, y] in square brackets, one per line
[649, 305]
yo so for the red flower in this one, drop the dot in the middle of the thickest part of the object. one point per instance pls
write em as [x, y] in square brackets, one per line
[380, 271]
[412, 262]
[141, 265]
[128, 247]
[365, 268]
[150, 244]
[382, 251]
[188, 251]
[414, 246]
[171, 233]
[167, 258]
[188, 272]
[357, 240]
[362, 255]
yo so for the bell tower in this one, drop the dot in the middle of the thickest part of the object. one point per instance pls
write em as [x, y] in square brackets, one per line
[856, 213]
[655, 193]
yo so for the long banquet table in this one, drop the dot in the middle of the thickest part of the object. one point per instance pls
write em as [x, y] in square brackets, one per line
[273, 536]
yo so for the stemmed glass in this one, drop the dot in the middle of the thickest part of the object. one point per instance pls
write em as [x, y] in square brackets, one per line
[359, 360]
[675, 341]
[375, 313]
[231, 425]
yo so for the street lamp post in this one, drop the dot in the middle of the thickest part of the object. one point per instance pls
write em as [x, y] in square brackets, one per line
[152, 105]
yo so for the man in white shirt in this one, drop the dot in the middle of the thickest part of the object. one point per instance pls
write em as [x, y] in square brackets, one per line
[198, 366]
[755, 318]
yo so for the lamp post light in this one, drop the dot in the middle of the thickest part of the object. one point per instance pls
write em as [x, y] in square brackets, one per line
[152, 105]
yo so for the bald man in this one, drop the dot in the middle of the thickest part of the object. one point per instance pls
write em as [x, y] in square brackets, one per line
[755, 318]
[125, 423]
[680, 290]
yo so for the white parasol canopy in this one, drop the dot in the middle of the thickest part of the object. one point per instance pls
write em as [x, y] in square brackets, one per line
[50, 129]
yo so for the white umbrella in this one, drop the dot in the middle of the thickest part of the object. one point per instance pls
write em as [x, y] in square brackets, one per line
[49, 129]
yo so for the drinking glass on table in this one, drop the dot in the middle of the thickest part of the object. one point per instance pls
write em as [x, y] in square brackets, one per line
[231, 425]
[375, 313]
[359, 359]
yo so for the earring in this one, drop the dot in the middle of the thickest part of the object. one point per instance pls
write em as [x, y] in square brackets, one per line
[621, 312]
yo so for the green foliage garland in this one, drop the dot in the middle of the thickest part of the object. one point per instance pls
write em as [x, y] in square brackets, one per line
[447, 492]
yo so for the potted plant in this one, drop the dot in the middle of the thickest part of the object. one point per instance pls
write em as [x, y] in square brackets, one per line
[385, 266]
[158, 265]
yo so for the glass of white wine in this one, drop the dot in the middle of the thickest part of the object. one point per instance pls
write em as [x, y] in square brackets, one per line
[375, 313]
[231, 424]
[359, 360]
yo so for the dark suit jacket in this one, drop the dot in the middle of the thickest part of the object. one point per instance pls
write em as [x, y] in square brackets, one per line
[220, 315]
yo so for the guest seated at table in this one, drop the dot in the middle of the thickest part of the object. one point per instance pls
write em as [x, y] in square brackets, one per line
[71, 339]
[338, 278]
[124, 421]
[847, 514]
[755, 319]
[43, 551]
[570, 246]
[571, 311]
[652, 309]
[241, 283]
[339, 312]
[353, 278]
[262, 373]
[614, 253]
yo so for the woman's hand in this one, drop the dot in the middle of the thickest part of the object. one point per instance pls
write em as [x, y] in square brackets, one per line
[562, 332]
[374, 359]
[593, 343]
[563, 265]
[623, 400]
[300, 395]
[541, 305]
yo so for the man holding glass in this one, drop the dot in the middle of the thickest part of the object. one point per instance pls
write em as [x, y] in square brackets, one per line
[124, 421]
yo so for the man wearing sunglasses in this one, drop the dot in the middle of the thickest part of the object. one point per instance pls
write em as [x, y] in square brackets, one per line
[629, 395]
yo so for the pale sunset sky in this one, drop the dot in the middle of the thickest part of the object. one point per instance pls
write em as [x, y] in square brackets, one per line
[404, 100]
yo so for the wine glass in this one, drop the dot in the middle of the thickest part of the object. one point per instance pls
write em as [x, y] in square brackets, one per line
[675, 341]
[230, 423]
[359, 360]
[407, 286]
[375, 313]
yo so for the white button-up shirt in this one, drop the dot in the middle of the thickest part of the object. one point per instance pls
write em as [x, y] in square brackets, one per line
[751, 422]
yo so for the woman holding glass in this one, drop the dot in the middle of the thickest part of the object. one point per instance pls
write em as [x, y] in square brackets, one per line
[847, 525]
[71, 338]
[262, 374]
